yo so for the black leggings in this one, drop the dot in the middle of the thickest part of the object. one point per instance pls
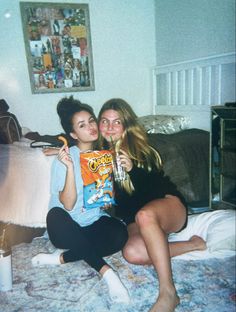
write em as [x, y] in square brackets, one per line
[90, 243]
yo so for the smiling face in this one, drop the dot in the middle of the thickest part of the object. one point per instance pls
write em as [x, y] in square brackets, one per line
[85, 128]
[110, 125]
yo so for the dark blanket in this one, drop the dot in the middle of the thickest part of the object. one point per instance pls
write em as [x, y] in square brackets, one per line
[51, 140]
[185, 157]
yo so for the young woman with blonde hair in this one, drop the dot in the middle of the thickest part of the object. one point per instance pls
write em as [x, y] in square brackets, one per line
[147, 200]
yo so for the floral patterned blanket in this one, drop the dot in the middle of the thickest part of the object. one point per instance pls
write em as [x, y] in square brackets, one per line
[203, 285]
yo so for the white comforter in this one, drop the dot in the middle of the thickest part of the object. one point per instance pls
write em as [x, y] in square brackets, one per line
[24, 184]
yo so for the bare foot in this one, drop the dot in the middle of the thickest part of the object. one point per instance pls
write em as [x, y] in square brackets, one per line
[166, 302]
[198, 243]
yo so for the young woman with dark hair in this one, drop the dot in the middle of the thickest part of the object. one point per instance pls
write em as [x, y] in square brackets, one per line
[81, 233]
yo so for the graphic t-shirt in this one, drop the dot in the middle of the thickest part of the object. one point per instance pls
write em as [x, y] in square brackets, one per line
[96, 170]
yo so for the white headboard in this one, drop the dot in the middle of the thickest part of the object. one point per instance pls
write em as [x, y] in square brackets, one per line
[190, 88]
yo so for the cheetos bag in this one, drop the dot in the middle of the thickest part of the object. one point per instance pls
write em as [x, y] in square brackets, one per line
[96, 169]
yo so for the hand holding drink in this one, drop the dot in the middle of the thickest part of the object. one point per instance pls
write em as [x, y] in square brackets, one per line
[119, 171]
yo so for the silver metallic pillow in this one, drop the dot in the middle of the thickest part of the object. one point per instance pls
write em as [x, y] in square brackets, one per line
[166, 124]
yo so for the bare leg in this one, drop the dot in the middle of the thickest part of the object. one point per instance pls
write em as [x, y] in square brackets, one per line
[154, 221]
[194, 243]
[154, 236]
[135, 249]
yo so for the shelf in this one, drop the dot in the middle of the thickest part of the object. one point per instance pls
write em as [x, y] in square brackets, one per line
[223, 157]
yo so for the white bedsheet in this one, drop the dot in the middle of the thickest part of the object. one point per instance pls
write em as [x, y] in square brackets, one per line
[217, 228]
[24, 184]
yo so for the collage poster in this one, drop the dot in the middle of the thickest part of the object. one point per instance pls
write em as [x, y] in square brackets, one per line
[58, 46]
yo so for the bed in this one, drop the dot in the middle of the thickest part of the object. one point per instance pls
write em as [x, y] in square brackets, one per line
[191, 87]
[24, 184]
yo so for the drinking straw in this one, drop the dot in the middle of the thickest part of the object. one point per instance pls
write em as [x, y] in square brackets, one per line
[111, 140]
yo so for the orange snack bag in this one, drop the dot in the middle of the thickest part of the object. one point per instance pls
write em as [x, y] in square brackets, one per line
[96, 170]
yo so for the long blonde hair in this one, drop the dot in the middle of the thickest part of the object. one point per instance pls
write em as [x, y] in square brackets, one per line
[134, 140]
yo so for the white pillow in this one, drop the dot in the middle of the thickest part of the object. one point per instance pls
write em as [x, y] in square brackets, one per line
[221, 234]
[166, 124]
[216, 227]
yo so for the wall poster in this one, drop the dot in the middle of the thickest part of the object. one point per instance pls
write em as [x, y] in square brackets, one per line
[58, 46]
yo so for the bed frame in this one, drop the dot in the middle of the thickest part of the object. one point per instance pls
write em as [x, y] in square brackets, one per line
[191, 87]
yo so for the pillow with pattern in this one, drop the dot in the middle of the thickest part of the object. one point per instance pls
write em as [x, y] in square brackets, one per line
[166, 124]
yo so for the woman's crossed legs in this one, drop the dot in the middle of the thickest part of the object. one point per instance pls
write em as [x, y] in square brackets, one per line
[148, 244]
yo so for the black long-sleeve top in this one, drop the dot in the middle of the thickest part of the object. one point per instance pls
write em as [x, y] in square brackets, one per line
[148, 186]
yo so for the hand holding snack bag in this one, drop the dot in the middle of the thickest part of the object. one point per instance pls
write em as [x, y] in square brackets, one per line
[96, 169]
